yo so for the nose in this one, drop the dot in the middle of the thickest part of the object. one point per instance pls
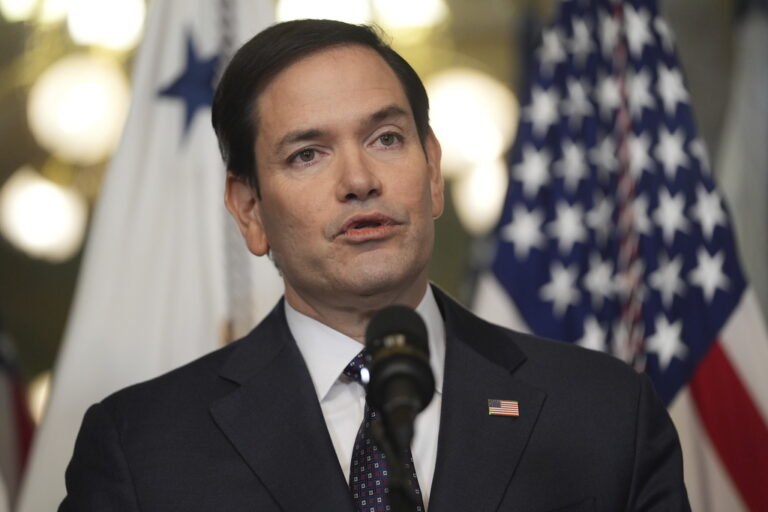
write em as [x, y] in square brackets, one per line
[358, 180]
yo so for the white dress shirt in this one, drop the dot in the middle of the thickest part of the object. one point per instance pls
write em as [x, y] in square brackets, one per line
[327, 352]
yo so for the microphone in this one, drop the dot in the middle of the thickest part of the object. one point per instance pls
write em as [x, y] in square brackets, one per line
[401, 383]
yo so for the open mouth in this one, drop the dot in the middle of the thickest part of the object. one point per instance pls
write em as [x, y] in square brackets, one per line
[365, 224]
[370, 225]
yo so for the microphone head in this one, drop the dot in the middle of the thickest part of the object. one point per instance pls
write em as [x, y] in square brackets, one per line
[398, 355]
[396, 320]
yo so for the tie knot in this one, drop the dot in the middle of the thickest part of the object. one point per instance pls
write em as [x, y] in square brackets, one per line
[352, 370]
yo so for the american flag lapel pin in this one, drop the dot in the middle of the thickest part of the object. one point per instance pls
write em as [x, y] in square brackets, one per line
[503, 408]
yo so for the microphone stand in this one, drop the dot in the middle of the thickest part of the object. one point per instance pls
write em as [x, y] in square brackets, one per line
[401, 496]
[400, 385]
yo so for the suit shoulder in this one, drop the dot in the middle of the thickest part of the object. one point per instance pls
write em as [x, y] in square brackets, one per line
[557, 362]
[190, 382]
[567, 354]
[535, 355]
[206, 378]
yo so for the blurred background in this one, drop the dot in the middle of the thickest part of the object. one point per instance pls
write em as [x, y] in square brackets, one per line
[65, 89]
[65, 69]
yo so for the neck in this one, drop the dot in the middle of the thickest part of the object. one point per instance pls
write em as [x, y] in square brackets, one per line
[351, 317]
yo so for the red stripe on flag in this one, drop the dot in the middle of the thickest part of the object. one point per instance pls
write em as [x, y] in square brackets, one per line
[734, 425]
[24, 425]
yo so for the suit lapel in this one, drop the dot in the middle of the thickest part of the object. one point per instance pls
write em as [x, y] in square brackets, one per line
[477, 454]
[273, 419]
[275, 422]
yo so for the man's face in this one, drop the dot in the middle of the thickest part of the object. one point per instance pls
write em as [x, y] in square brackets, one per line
[348, 193]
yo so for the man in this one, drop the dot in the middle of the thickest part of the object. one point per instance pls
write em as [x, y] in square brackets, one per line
[335, 173]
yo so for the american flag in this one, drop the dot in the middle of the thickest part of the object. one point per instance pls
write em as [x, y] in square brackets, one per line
[613, 235]
[503, 408]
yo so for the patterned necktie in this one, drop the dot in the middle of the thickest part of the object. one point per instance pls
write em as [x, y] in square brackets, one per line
[369, 473]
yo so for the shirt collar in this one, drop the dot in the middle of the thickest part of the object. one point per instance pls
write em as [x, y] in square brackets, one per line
[327, 352]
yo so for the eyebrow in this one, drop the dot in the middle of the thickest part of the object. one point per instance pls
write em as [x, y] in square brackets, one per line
[386, 113]
[298, 136]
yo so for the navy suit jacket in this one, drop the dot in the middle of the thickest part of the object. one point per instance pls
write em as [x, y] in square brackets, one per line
[241, 429]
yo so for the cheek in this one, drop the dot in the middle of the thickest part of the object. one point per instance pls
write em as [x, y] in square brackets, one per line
[422, 196]
[293, 224]
[409, 182]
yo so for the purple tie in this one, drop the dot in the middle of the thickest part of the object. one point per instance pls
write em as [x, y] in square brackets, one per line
[369, 472]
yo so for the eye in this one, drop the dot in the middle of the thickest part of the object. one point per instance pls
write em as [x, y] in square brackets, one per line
[306, 155]
[388, 139]
[302, 157]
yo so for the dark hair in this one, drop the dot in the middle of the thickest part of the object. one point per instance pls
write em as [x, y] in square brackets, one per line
[270, 52]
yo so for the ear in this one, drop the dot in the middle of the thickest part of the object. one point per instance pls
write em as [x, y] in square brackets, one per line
[244, 205]
[434, 154]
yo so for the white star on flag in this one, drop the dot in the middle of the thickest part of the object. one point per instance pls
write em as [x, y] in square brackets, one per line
[533, 171]
[581, 42]
[598, 280]
[567, 227]
[667, 40]
[609, 33]
[639, 156]
[609, 96]
[708, 275]
[604, 157]
[665, 342]
[666, 279]
[670, 87]
[551, 51]
[708, 210]
[561, 290]
[524, 231]
[670, 215]
[642, 224]
[699, 150]
[599, 218]
[639, 93]
[594, 336]
[637, 29]
[669, 151]
[573, 166]
[576, 106]
[542, 113]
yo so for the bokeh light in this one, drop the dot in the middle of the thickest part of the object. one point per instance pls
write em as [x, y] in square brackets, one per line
[479, 196]
[41, 218]
[53, 11]
[351, 11]
[77, 108]
[114, 24]
[407, 14]
[17, 10]
[473, 115]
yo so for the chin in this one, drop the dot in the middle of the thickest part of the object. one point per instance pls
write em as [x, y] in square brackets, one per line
[384, 279]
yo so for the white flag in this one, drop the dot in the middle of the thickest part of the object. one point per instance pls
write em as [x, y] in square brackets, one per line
[164, 266]
[3, 498]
